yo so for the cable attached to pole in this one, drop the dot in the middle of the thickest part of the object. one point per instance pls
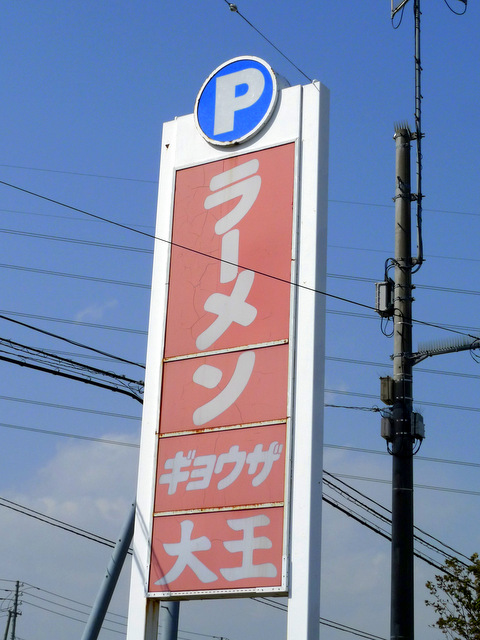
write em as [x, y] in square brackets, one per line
[418, 261]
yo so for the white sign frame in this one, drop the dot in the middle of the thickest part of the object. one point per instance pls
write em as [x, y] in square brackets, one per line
[301, 116]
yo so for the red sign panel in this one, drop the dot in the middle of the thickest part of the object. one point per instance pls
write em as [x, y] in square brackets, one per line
[189, 403]
[218, 550]
[239, 211]
[220, 482]
[221, 469]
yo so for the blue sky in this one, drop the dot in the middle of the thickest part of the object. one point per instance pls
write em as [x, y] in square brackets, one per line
[86, 87]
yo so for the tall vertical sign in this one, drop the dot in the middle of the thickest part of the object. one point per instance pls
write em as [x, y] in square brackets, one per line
[229, 492]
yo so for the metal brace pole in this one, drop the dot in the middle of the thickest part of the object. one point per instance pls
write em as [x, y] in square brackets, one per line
[97, 615]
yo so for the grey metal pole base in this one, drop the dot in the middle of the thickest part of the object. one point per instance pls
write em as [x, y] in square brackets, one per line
[169, 614]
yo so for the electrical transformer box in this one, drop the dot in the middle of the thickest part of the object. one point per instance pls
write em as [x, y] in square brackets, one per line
[384, 298]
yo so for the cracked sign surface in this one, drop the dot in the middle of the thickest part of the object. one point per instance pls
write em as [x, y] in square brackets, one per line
[222, 452]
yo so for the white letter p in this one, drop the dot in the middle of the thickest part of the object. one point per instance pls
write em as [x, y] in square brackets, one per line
[227, 103]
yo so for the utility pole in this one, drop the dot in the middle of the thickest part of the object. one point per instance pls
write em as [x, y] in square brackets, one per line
[401, 427]
[402, 438]
[403, 430]
[15, 610]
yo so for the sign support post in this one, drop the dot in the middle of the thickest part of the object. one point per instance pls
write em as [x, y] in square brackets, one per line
[304, 600]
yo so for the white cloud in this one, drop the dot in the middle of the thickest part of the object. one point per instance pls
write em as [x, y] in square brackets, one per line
[91, 486]
[95, 312]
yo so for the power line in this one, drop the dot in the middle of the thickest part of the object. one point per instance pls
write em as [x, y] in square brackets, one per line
[81, 323]
[71, 376]
[454, 328]
[110, 615]
[74, 609]
[69, 341]
[330, 200]
[34, 353]
[62, 434]
[105, 541]
[75, 276]
[67, 407]
[177, 245]
[387, 253]
[30, 357]
[134, 445]
[323, 621]
[426, 287]
[128, 391]
[342, 406]
[460, 328]
[85, 356]
[57, 595]
[131, 249]
[420, 402]
[234, 8]
[155, 182]
[141, 285]
[64, 615]
[330, 478]
[467, 492]
[93, 216]
[77, 173]
[128, 248]
[123, 624]
[417, 369]
[90, 243]
[376, 529]
[390, 206]
[54, 522]
[65, 218]
[461, 463]
[326, 498]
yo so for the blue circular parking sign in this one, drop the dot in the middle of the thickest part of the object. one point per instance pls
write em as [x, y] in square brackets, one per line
[236, 101]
